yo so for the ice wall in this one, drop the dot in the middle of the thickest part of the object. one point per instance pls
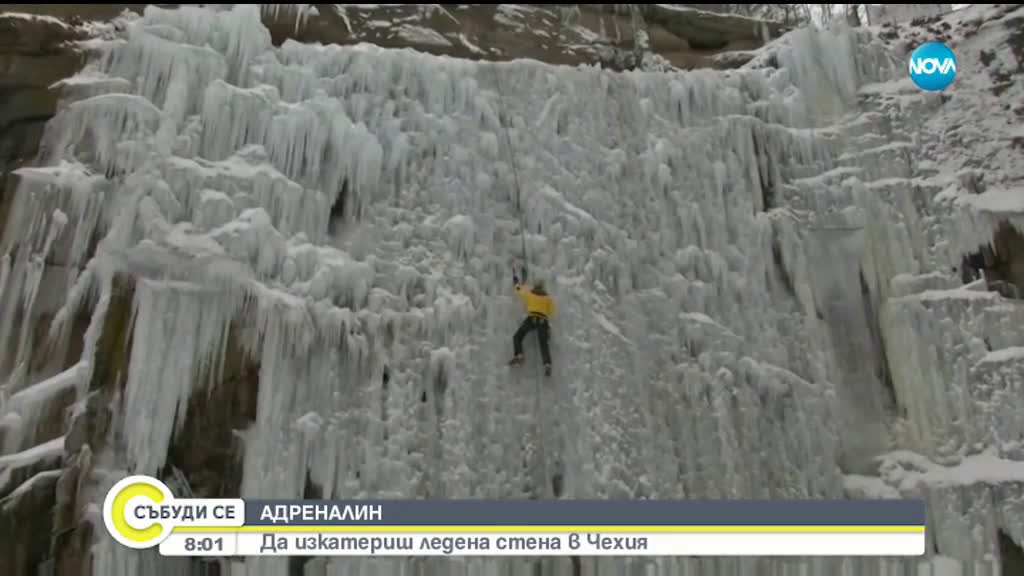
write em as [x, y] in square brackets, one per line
[881, 13]
[721, 246]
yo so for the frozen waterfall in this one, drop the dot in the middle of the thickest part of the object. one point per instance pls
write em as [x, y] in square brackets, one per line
[318, 240]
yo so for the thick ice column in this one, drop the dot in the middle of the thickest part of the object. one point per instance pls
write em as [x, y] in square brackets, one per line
[843, 303]
[828, 86]
[274, 467]
[179, 337]
[238, 34]
[21, 295]
[314, 365]
[934, 339]
[54, 216]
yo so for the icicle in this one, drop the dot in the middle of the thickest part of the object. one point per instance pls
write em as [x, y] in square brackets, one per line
[164, 71]
[113, 122]
[302, 12]
[5, 272]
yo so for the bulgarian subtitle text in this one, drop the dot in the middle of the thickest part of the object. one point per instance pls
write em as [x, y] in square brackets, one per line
[274, 543]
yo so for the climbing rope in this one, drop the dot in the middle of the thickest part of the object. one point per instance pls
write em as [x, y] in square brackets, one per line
[836, 228]
[512, 161]
[538, 407]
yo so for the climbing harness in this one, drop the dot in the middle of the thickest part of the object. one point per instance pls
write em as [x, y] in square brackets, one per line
[538, 406]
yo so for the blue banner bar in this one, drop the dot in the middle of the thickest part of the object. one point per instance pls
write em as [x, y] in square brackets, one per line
[809, 513]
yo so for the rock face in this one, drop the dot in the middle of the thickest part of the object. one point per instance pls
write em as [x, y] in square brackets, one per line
[26, 525]
[565, 34]
[34, 54]
[260, 268]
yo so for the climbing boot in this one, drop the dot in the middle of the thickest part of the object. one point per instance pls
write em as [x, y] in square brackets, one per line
[516, 360]
[547, 369]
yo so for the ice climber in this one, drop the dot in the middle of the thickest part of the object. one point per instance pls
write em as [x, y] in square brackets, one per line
[540, 307]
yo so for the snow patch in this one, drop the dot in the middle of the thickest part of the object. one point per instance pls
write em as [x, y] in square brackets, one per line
[310, 424]
[22, 490]
[47, 450]
[908, 470]
[34, 17]
[35, 394]
[1001, 200]
[1012, 354]
[471, 46]
[868, 487]
[422, 35]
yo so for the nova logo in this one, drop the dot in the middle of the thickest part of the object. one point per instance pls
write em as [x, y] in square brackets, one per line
[932, 66]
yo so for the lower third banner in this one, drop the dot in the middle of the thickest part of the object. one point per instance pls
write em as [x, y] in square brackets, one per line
[141, 512]
[684, 541]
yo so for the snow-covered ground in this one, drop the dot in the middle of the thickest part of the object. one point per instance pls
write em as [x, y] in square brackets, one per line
[752, 270]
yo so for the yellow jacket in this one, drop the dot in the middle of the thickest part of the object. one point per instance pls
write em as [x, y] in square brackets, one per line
[536, 304]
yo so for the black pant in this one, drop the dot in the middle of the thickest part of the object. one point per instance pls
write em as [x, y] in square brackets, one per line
[543, 334]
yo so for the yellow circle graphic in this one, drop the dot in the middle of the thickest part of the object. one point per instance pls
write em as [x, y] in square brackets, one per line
[152, 497]
[120, 512]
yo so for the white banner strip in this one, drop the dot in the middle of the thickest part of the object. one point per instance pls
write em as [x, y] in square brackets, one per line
[290, 543]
